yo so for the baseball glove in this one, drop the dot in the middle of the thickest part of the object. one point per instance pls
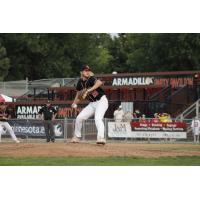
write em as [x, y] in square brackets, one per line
[82, 94]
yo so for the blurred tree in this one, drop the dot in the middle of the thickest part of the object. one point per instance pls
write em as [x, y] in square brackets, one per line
[162, 52]
[117, 50]
[4, 63]
[39, 56]
[55, 55]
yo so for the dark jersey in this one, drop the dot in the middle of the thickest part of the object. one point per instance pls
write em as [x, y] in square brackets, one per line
[86, 84]
[3, 115]
[11, 113]
[47, 112]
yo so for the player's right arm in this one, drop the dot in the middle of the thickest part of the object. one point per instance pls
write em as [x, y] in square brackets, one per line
[76, 99]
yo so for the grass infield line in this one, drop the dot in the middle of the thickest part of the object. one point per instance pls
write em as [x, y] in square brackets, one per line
[101, 161]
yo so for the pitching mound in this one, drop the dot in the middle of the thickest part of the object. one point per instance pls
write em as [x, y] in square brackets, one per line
[93, 150]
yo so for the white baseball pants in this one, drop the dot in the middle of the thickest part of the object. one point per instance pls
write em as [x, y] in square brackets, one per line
[96, 109]
[8, 128]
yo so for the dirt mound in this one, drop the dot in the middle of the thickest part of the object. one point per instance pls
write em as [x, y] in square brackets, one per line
[93, 150]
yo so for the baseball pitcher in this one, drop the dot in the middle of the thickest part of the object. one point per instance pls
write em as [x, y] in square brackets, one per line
[88, 87]
[4, 124]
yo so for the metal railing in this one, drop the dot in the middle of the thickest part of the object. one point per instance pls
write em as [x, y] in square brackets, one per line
[161, 94]
[177, 92]
[14, 88]
[191, 110]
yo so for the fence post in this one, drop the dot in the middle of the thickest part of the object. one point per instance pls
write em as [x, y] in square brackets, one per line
[27, 121]
[181, 117]
[197, 109]
[26, 84]
[63, 81]
[83, 128]
[65, 129]
[106, 128]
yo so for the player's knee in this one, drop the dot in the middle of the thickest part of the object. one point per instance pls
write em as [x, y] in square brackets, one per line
[98, 119]
[10, 130]
[1, 130]
[79, 119]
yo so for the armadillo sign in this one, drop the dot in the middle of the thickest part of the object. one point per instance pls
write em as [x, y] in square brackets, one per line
[32, 111]
[133, 81]
[156, 81]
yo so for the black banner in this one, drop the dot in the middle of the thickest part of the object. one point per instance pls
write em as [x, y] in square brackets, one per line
[31, 111]
[35, 128]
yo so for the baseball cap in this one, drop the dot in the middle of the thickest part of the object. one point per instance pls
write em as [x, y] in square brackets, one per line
[85, 68]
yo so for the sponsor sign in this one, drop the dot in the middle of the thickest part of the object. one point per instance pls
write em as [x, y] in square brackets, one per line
[133, 81]
[168, 126]
[146, 81]
[31, 111]
[174, 82]
[27, 111]
[35, 128]
[147, 130]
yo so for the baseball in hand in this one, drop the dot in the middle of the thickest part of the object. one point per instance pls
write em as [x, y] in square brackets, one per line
[74, 105]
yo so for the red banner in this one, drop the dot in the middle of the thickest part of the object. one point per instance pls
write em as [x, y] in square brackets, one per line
[161, 126]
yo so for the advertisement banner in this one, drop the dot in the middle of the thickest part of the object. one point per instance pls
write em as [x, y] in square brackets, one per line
[174, 82]
[127, 130]
[31, 111]
[35, 128]
[167, 126]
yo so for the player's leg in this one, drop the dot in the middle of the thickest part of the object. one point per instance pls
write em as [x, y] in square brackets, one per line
[101, 108]
[194, 133]
[85, 114]
[46, 127]
[52, 133]
[10, 131]
[1, 131]
[195, 138]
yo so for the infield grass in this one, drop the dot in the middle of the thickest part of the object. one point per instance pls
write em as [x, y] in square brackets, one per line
[102, 161]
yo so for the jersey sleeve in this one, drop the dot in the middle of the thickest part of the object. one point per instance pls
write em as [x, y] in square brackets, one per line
[92, 80]
[79, 86]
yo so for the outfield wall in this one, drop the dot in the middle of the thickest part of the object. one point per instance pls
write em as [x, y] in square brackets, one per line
[124, 131]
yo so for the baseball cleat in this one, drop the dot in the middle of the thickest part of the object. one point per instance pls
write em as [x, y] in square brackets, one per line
[17, 141]
[75, 140]
[101, 141]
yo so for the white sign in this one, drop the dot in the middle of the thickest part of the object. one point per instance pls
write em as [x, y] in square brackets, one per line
[123, 130]
[133, 81]
[28, 112]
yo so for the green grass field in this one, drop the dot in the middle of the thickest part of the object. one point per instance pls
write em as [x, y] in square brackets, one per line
[107, 161]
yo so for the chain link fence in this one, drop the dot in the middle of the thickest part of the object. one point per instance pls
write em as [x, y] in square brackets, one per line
[14, 88]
